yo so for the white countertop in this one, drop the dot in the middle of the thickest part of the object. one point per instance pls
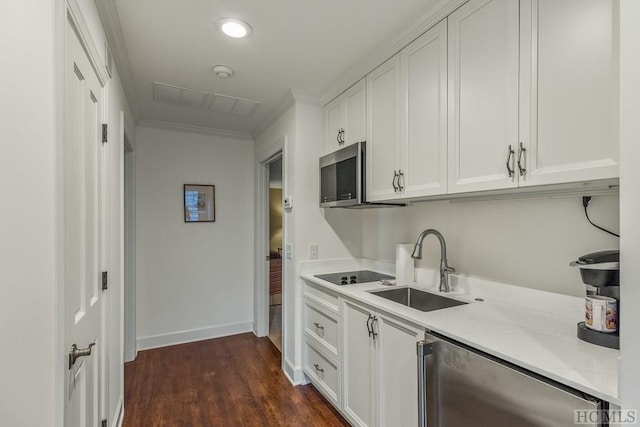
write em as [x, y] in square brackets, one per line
[532, 329]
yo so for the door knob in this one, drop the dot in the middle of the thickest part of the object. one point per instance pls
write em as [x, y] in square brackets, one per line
[75, 353]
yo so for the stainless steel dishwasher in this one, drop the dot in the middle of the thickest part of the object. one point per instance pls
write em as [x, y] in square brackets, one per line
[462, 387]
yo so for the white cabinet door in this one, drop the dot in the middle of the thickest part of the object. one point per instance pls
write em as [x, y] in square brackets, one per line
[358, 366]
[424, 114]
[569, 121]
[333, 125]
[482, 94]
[356, 114]
[383, 129]
[397, 371]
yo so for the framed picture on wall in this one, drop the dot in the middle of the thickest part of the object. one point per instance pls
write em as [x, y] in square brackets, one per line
[199, 203]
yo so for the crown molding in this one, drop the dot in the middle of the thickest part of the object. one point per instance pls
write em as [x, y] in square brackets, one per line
[290, 98]
[159, 124]
[301, 98]
[385, 50]
[113, 31]
[276, 112]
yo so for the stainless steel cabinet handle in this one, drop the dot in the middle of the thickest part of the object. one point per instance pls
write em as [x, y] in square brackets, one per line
[75, 353]
[510, 169]
[318, 368]
[373, 331]
[338, 136]
[342, 135]
[370, 325]
[522, 151]
[318, 325]
[395, 176]
[424, 349]
[400, 175]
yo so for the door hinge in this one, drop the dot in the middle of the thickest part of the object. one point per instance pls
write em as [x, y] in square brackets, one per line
[104, 132]
[103, 423]
[105, 281]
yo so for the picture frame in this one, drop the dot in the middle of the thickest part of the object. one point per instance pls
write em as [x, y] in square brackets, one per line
[199, 203]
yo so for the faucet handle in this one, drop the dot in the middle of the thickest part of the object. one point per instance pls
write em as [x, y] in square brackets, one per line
[449, 269]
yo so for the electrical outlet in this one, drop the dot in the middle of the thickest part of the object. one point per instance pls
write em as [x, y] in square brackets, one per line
[288, 252]
[313, 251]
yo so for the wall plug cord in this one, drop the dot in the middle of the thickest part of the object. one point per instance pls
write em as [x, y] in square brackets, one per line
[585, 204]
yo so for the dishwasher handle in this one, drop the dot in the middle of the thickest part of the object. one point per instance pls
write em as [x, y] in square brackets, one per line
[425, 348]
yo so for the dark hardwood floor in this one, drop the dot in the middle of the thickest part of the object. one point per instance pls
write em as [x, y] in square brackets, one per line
[231, 381]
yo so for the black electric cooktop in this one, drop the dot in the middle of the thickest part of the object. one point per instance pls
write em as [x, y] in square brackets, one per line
[351, 277]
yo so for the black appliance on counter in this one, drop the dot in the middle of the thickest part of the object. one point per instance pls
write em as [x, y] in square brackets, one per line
[353, 277]
[600, 272]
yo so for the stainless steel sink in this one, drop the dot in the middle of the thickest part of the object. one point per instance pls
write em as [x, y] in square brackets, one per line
[415, 298]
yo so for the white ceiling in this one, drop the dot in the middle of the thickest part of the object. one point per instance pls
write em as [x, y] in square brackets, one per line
[304, 45]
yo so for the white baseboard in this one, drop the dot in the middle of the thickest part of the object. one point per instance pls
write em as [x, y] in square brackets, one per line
[181, 337]
[294, 374]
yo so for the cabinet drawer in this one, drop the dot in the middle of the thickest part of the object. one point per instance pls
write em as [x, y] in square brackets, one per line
[321, 296]
[321, 326]
[324, 374]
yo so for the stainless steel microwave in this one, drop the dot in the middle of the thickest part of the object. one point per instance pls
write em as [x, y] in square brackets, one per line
[342, 177]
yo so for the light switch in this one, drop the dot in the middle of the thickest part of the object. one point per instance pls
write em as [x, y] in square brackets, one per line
[313, 251]
[288, 252]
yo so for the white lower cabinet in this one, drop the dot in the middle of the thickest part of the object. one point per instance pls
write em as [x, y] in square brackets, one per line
[323, 371]
[321, 355]
[379, 367]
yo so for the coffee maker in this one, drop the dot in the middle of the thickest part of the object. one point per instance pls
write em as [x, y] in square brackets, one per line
[600, 272]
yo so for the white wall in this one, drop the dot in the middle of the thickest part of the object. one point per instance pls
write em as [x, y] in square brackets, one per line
[337, 232]
[524, 242]
[630, 202]
[194, 281]
[27, 263]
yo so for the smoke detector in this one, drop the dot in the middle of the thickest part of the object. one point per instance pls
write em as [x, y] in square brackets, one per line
[223, 71]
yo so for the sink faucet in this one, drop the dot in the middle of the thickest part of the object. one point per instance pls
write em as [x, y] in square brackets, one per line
[444, 268]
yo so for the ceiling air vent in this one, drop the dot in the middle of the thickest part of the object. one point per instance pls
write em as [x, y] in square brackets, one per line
[180, 96]
[232, 105]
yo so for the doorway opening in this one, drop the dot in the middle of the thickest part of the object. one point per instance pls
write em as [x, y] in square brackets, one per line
[275, 251]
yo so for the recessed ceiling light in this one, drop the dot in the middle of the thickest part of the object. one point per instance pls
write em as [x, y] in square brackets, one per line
[234, 28]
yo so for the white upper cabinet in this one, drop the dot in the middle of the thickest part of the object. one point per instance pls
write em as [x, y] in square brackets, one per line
[383, 130]
[499, 95]
[345, 119]
[568, 91]
[333, 125]
[483, 95]
[423, 65]
[356, 113]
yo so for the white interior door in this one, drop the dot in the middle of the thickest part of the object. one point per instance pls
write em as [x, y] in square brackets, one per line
[83, 233]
